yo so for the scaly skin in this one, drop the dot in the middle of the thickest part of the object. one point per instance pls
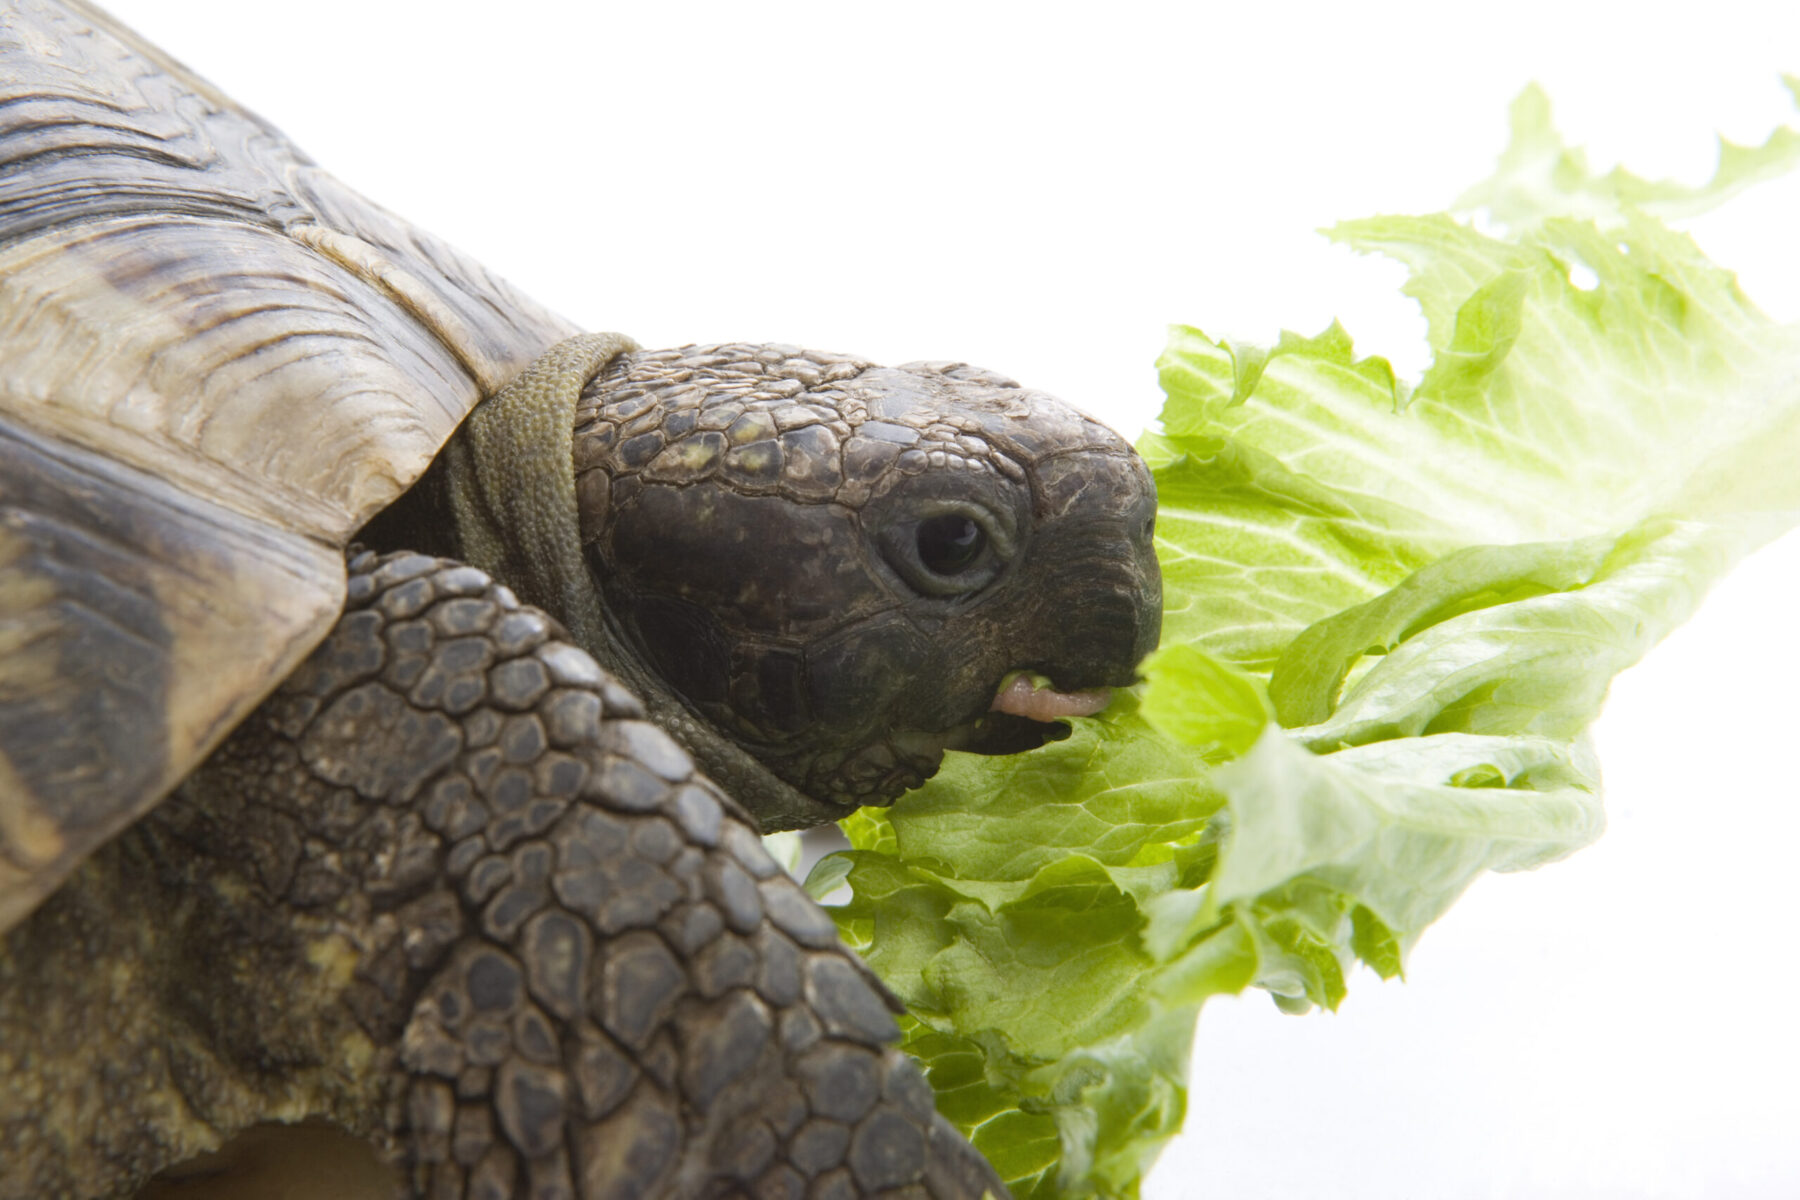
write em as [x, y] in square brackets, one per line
[447, 890]
[732, 530]
[751, 516]
[458, 890]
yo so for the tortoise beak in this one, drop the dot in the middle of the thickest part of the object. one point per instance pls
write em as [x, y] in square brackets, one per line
[1090, 631]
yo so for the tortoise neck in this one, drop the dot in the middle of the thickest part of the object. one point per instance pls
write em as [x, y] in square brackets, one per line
[509, 481]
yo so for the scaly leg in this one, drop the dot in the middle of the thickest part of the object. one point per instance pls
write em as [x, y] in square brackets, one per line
[447, 889]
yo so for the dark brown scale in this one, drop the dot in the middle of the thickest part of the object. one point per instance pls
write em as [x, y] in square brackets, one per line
[487, 877]
[746, 848]
[698, 813]
[780, 1182]
[531, 1102]
[819, 1145]
[568, 714]
[744, 1150]
[433, 923]
[464, 855]
[578, 1010]
[716, 418]
[720, 1043]
[481, 766]
[394, 571]
[519, 684]
[535, 1039]
[691, 927]
[730, 887]
[654, 840]
[778, 978]
[626, 786]
[648, 746]
[839, 1082]
[461, 616]
[472, 1133]
[726, 963]
[520, 631]
[640, 981]
[558, 776]
[452, 809]
[844, 1001]
[796, 915]
[494, 1176]
[406, 600]
[604, 1074]
[431, 1110]
[834, 1185]
[636, 452]
[557, 949]
[522, 738]
[487, 1042]
[508, 910]
[640, 895]
[887, 1150]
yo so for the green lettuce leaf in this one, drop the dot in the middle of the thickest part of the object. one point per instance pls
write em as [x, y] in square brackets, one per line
[1391, 612]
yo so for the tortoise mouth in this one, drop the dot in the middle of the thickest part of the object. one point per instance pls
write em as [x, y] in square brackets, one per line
[1035, 697]
[1025, 710]
[997, 733]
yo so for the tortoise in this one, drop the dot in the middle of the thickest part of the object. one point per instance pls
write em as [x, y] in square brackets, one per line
[394, 680]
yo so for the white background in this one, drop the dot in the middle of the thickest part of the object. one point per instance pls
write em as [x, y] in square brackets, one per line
[1040, 189]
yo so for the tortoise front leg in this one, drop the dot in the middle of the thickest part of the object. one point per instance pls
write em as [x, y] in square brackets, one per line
[562, 957]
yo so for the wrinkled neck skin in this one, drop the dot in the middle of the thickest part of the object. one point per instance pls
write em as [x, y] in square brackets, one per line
[510, 481]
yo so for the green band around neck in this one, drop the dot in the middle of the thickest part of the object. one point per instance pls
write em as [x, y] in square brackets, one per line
[512, 483]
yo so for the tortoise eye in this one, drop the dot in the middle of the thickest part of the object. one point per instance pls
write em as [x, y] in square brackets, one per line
[951, 550]
[949, 543]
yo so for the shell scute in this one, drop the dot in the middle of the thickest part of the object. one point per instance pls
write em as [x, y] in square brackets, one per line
[218, 363]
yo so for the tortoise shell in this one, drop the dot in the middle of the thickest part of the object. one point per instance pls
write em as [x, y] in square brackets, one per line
[219, 362]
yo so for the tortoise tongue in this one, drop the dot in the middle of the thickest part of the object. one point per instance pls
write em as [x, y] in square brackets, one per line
[1023, 698]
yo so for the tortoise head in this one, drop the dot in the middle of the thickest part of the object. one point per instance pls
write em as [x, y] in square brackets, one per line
[837, 565]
